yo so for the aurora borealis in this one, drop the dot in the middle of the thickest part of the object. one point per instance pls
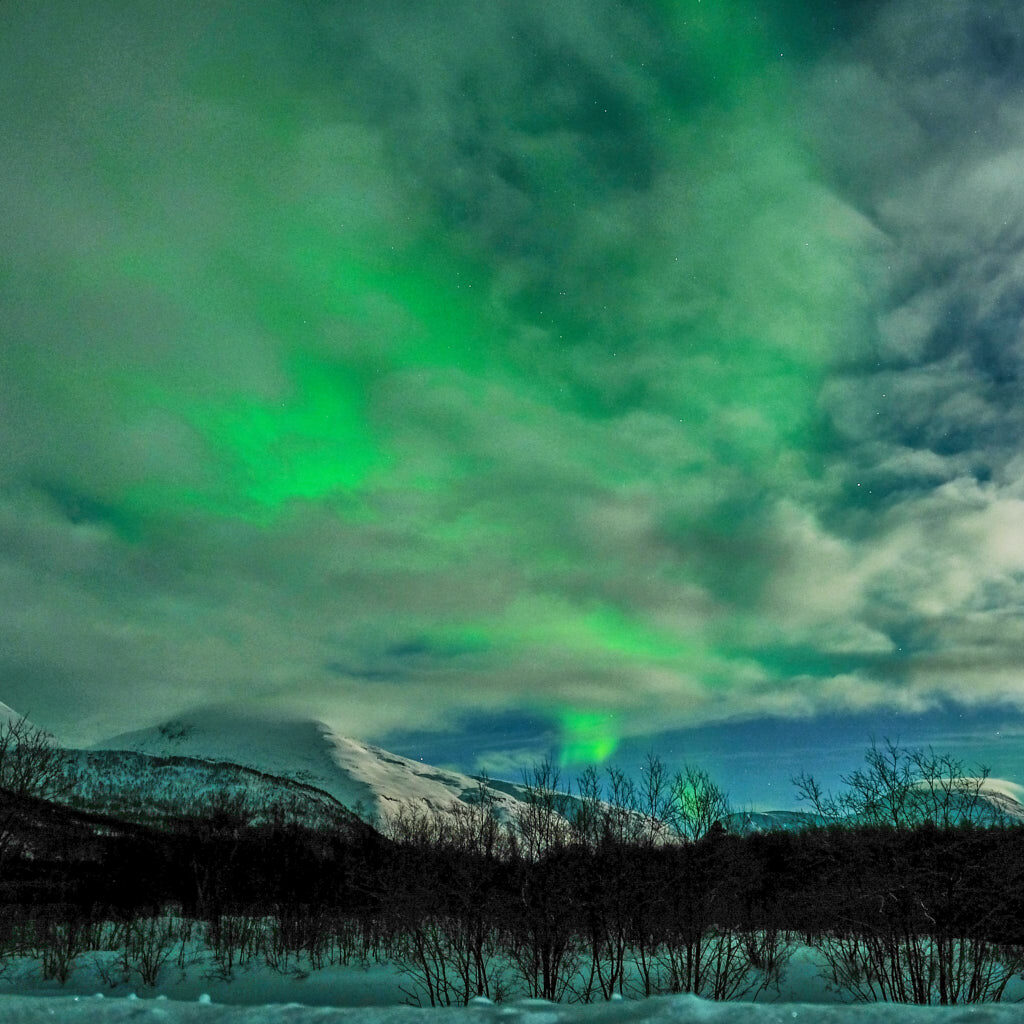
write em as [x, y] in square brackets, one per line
[526, 375]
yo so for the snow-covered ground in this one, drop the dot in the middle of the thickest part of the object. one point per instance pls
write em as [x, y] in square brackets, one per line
[249, 984]
[665, 1010]
[382, 989]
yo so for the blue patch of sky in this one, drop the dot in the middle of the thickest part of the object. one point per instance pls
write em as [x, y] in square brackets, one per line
[754, 760]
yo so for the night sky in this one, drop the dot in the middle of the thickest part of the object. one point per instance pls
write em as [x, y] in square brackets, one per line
[499, 377]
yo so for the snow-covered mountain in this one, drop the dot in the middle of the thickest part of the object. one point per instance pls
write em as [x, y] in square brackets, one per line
[997, 794]
[361, 776]
[304, 765]
[985, 802]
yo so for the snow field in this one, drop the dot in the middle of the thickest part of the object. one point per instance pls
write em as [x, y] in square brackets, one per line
[196, 971]
[663, 1010]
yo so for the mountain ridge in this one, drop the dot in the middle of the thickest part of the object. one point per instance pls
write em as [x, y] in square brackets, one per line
[303, 763]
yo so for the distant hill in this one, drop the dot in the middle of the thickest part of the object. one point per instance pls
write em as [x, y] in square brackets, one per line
[745, 822]
[986, 803]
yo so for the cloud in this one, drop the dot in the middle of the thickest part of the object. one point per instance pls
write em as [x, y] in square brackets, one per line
[404, 366]
[510, 764]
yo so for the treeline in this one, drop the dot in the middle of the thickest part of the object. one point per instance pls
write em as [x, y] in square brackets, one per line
[216, 859]
[920, 914]
[917, 914]
[911, 891]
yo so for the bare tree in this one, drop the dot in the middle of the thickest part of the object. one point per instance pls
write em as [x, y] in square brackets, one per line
[622, 821]
[946, 795]
[32, 765]
[698, 803]
[656, 800]
[916, 928]
[475, 825]
[541, 824]
[31, 762]
[902, 787]
[588, 810]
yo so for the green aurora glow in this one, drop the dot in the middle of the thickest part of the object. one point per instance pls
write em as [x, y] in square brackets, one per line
[587, 738]
[509, 367]
[351, 304]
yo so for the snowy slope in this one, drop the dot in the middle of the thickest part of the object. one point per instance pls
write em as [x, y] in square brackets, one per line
[308, 751]
[134, 786]
[994, 805]
[997, 794]
[8, 714]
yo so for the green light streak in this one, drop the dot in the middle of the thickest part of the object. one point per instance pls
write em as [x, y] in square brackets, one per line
[587, 737]
[597, 632]
[607, 628]
[422, 309]
[313, 443]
